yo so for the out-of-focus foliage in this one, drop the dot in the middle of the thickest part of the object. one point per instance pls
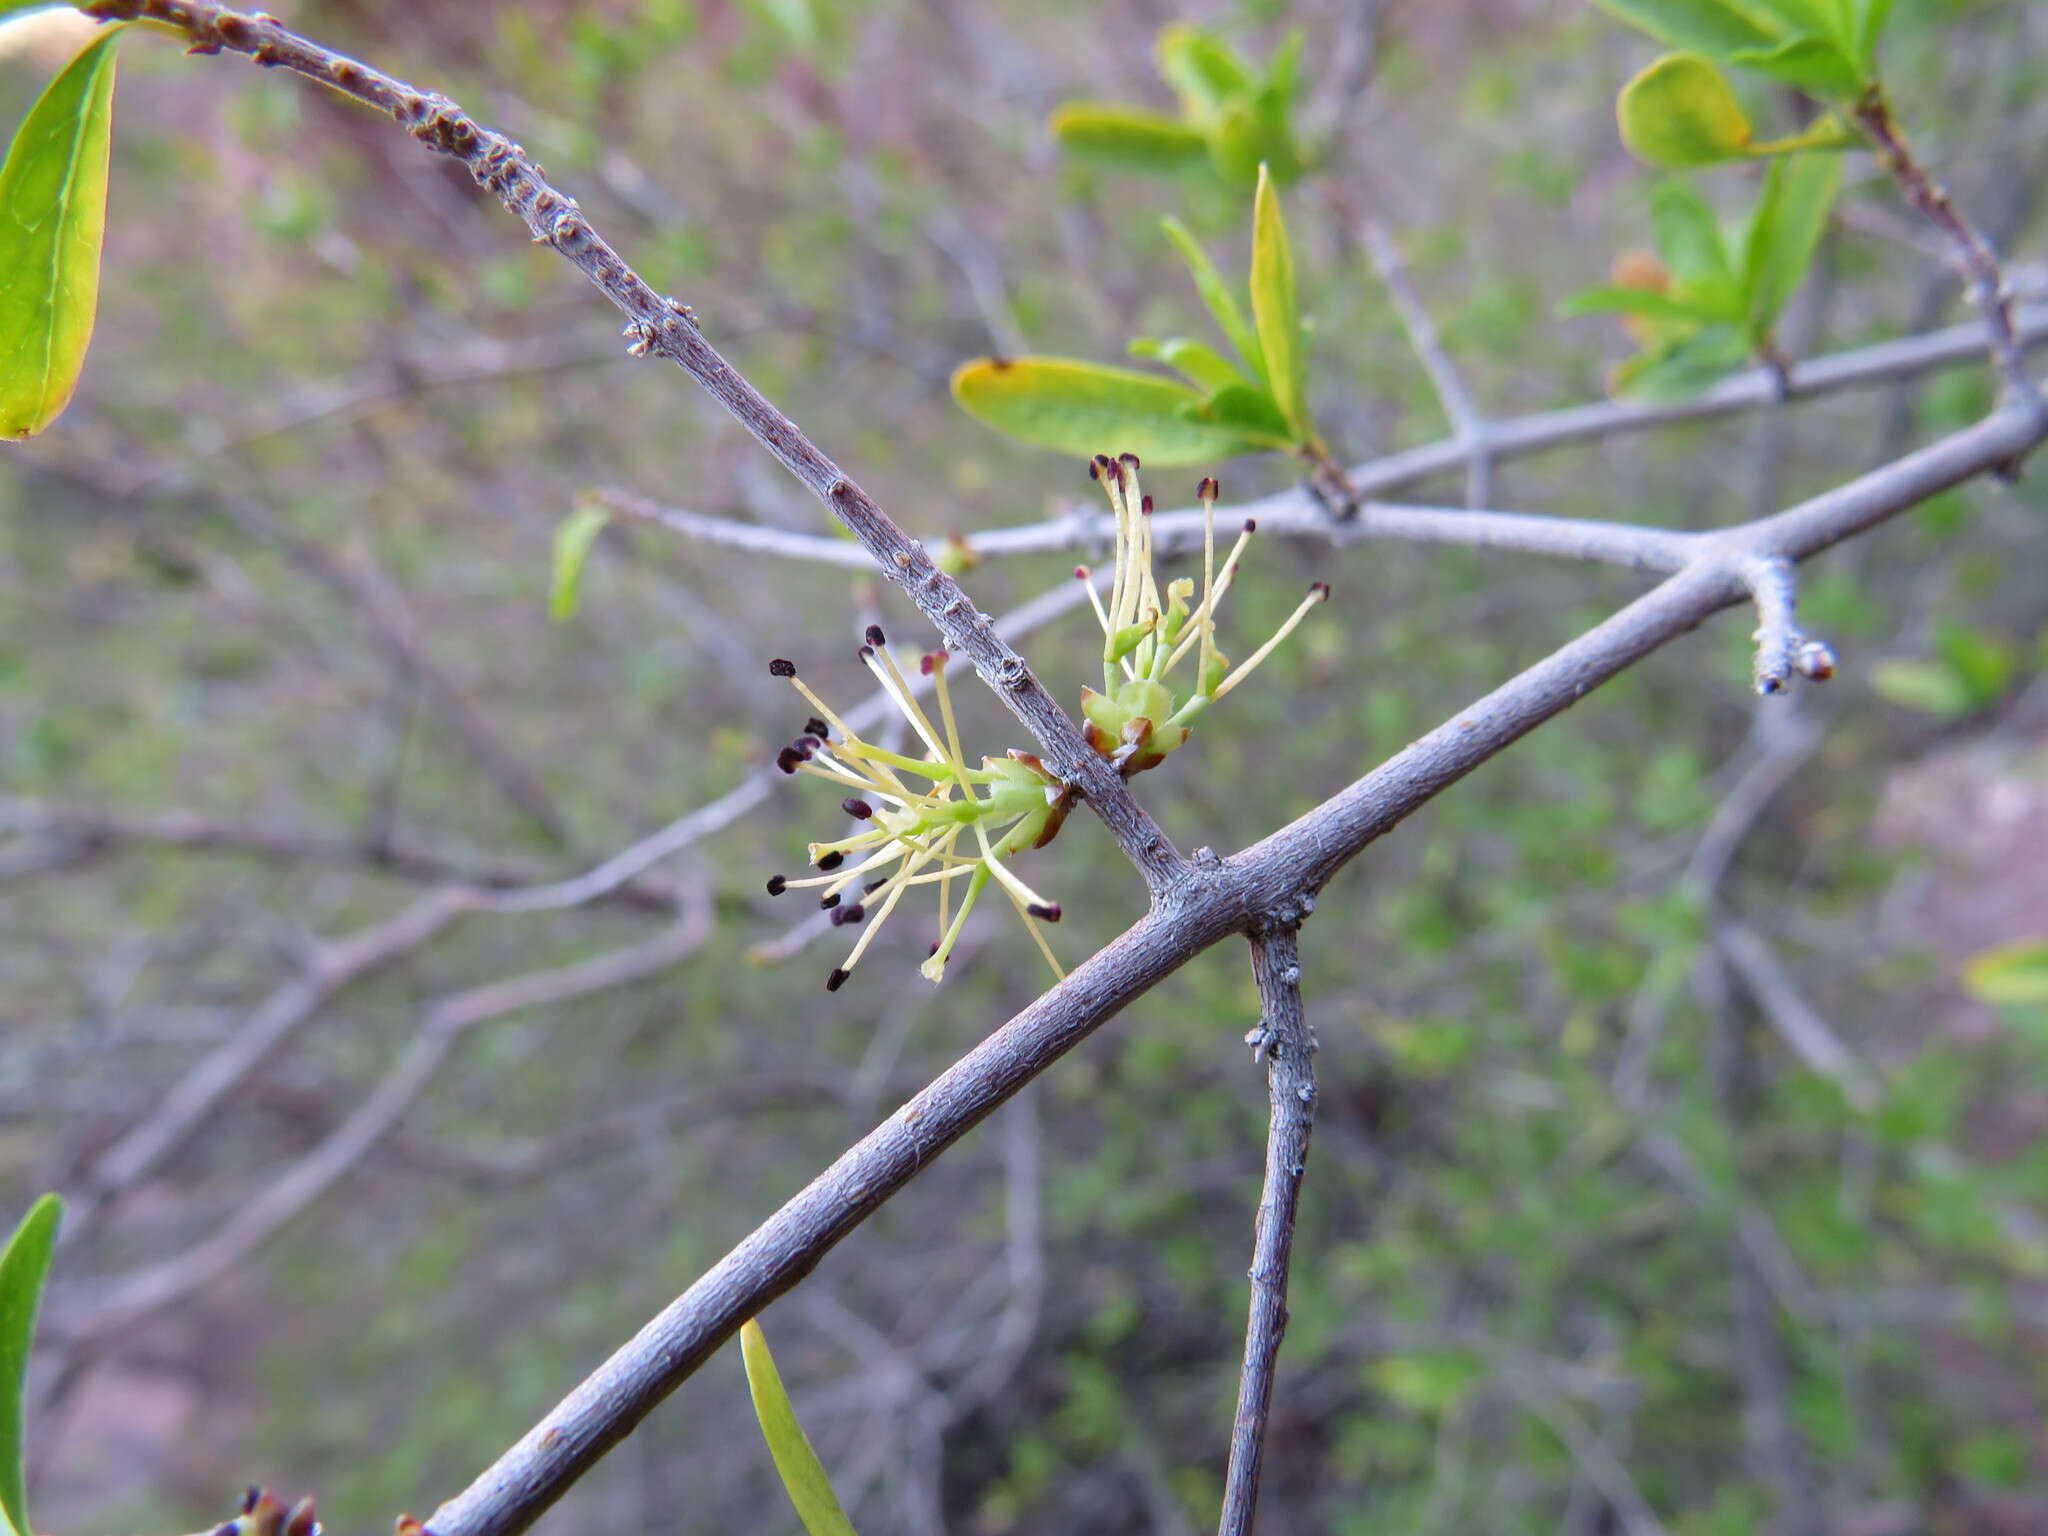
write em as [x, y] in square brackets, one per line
[1543, 1150]
[1258, 402]
[1233, 118]
[1708, 301]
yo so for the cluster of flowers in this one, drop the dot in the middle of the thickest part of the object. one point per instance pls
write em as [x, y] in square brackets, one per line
[915, 814]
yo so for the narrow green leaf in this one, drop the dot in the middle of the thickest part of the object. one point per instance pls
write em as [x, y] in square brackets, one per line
[1790, 219]
[1083, 408]
[1825, 19]
[803, 1475]
[1204, 71]
[1817, 66]
[1679, 113]
[578, 531]
[1216, 295]
[1870, 19]
[2010, 975]
[1711, 27]
[1276, 310]
[23, 1267]
[1283, 73]
[1684, 367]
[1618, 299]
[1688, 235]
[1253, 132]
[1249, 410]
[1128, 136]
[53, 215]
[1201, 364]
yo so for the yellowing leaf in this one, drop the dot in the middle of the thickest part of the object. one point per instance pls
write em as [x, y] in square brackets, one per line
[1680, 113]
[803, 1475]
[1083, 408]
[2011, 975]
[53, 215]
[1276, 311]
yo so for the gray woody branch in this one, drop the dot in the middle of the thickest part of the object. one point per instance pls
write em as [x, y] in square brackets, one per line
[663, 325]
[1269, 886]
[1285, 1042]
[1238, 894]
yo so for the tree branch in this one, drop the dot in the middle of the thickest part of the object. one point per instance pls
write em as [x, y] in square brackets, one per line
[1284, 1040]
[1971, 252]
[1468, 427]
[662, 325]
[1221, 897]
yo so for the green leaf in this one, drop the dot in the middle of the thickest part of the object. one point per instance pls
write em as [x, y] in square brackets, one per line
[1083, 408]
[2009, 975]
[1276, 311]
[1679, 113]
[1785, 232]
[803, 1475]
[1617, 299]
[1202, 365]
[1250, 410]
[1710, 27]
[1216, 295]
[1828, 19]
[1982, 663]
[1204, 71]
[1283, 74]
[1688, 235]
[1128, 136]
[1814, 64]
[53, 216]
[578, 531]
[1870, 17]
[1684, 367]
[23, 1267]
[1927, 686]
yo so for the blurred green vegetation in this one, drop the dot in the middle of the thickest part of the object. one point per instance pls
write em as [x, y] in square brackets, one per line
[1506, 1256]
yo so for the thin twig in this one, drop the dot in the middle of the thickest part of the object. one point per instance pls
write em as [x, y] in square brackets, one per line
[662, 325]
[1809, 1036]
[187, 1109]
[1468, 427]
[1284, 1040]
[1971, 252]
[443, 1025]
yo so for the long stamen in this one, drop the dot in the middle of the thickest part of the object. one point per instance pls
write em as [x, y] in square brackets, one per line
[1204, 618]
[1319, 592]
[1207, 612]
[1037, 937]
[1087, 578]
[934, 666]
[878, 661]
[999, 867]
[934, 968]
